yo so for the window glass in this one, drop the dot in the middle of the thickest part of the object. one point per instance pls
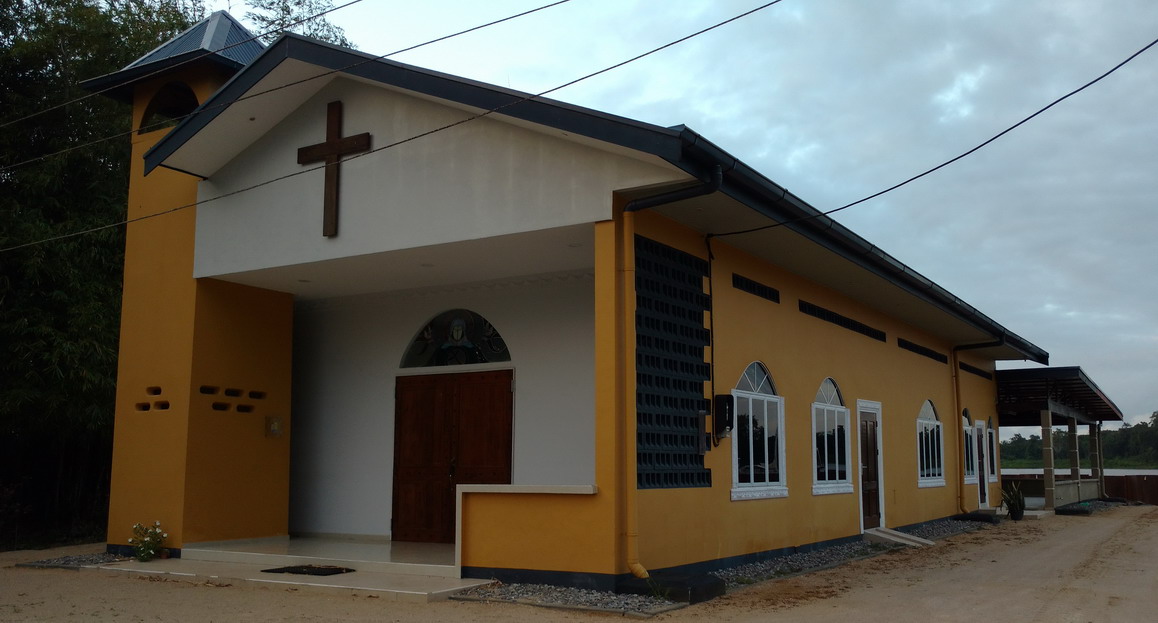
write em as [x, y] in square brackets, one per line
[757, 444]
[830, 442]
[970, 441]
[456, 337]
[930, 469]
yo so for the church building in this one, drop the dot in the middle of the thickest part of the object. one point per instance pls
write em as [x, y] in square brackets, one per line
[369, 302]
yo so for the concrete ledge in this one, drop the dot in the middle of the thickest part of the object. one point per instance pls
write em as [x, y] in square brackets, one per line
[549, 489]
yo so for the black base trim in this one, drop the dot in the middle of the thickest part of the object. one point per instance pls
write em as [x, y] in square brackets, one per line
[127, 551]
[610, 582]
[573, 579]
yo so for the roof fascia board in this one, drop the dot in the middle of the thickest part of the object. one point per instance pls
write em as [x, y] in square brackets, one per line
[751, 188]
[621, 131]
[116, 84]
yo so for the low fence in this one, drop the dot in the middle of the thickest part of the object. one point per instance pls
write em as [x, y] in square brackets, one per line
[1140, 488]
[1137, 488]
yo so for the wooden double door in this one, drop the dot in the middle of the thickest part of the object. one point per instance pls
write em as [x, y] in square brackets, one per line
[450, 429]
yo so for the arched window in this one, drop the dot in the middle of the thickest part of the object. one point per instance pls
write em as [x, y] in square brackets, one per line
[758, 437]
[930, 467]
[174, 101]
[830, 445]
[970, 450]
[456, 337]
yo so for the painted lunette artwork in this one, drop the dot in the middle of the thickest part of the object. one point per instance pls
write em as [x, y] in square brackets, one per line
[456, 337]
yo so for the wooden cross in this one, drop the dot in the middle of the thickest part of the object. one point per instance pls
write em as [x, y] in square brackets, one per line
[331, 151]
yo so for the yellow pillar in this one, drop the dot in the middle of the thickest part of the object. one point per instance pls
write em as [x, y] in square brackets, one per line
[206, 465]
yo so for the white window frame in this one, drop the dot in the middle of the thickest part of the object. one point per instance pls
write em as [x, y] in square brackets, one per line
[969, 451]
[755, 387]
[991, 446]
[829, 407]
[928, 473]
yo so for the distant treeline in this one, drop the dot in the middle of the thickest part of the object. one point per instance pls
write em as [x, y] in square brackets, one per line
[1129, 447]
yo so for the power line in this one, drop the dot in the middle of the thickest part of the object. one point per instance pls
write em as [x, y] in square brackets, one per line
[951, 160]
[396, 143]
[205, 109]
[186, 61]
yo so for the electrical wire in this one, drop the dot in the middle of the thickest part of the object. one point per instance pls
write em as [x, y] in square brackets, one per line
[951, 160]
[395, 143]
[168, 68]
[202, 110]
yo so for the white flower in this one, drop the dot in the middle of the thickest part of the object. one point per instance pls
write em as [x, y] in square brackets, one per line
[164, 535]
[130, 539]
[157, 523]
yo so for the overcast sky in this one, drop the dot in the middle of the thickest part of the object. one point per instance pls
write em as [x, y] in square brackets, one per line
[1052, 231]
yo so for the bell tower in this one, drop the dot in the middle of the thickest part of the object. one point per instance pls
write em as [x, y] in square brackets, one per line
[201, 439]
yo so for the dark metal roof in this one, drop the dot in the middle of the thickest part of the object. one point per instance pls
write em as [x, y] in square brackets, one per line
[680, 146]
[218, 39]
[1067, 392]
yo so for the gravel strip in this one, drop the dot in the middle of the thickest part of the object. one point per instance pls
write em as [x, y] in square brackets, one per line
[942, 528]
[1088, 507]
[742, 575]
[797, 563]
[74, 562]
[562, 597]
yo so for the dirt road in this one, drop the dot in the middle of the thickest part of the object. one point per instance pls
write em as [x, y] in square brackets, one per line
[1099, 568]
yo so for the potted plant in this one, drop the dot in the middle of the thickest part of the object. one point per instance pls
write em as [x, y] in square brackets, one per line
[147, 541]
[1014, 501]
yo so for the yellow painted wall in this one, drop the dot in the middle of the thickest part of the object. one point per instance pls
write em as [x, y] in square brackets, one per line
[166, 343]
[237, 479]
[800, 352]
[583, 533]
[552, 532]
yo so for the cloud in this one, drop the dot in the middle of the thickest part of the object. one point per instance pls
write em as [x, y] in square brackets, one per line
[1051, 230]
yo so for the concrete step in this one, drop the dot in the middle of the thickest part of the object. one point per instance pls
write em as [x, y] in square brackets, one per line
[889, 536]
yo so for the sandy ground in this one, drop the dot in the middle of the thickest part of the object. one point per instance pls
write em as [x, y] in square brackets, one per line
[1088, 569]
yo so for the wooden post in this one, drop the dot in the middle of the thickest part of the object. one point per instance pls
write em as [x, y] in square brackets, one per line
[1047, 457]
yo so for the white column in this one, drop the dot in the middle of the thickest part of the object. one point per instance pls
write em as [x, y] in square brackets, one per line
[1075, 463]
[1047, 457]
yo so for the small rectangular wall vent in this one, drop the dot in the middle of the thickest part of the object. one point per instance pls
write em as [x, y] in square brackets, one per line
[839, 320]
[924, 351]
[751, 286]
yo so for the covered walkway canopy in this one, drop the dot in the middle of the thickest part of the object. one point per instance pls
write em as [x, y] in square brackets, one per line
[1049, 397]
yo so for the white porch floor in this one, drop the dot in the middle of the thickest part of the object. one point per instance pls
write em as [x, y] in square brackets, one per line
[399, 571]
[430, 559]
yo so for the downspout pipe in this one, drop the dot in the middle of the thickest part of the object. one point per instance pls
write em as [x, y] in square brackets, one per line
[644, 203]
[956, 376]
[712, 185]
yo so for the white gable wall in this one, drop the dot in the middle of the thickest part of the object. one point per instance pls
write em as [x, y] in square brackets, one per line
[484, 178]
[347, 353]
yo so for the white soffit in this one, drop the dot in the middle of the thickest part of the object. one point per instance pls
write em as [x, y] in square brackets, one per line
[550, 251]
[244, 121]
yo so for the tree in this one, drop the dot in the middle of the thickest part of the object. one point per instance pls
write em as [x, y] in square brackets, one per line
[274, 17]
[60, 301]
